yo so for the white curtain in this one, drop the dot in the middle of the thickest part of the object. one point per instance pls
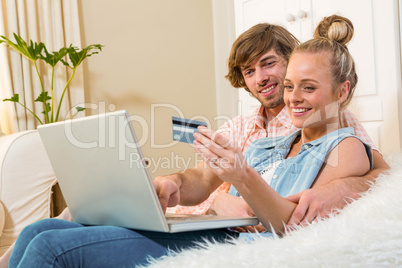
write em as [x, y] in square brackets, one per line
[56, 24]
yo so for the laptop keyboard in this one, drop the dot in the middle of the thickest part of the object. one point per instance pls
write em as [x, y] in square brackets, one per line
[187, 217]
[178, 219]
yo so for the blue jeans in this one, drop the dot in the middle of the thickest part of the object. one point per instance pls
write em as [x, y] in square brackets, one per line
[58, 243]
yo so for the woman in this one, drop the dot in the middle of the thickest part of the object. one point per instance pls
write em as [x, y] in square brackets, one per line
[315, 88]
[319, 84]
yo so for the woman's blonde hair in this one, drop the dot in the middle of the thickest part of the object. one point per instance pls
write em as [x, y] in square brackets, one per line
[331, 35]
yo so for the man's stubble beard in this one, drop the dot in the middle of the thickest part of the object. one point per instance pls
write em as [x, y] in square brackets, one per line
[272, 103]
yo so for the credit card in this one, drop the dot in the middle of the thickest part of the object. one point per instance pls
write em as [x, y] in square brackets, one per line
[183, 129]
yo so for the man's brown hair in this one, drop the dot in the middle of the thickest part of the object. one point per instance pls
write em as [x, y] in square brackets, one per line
[254, 42]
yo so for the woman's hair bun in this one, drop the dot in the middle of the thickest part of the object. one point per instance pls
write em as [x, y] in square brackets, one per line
[336, 28]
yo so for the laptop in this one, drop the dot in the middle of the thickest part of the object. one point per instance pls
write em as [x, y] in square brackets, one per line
[105, 181]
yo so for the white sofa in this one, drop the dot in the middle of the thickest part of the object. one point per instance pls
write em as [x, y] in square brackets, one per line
[366, 233]
[26, 181]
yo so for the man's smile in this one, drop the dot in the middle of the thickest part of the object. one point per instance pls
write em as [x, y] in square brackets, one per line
[268, 89]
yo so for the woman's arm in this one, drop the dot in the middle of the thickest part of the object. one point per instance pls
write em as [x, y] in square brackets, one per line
[271, 209]
[347, 159]
[322, 198]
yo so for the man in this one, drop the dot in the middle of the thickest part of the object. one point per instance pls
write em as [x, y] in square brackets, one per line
[258, 62]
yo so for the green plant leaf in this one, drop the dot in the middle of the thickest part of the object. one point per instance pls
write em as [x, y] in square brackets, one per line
[32, 52]
[45, 112]
[43, 97]
[15, 98]
[53, 58]
[70, 50]
[76, 56]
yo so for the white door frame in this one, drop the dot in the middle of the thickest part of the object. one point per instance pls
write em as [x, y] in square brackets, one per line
[224, 35]
[399, 10]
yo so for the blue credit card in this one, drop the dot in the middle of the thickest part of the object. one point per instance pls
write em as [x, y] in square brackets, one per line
[184, 129]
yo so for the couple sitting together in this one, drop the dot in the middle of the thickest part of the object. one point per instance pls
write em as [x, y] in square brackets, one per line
[306, 155]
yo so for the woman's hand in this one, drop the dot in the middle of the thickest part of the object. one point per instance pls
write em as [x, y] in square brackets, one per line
[228, 163]
[226, 160]
[229, 205]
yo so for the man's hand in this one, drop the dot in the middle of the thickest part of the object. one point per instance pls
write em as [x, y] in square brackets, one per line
[229, 205]
[319, 202]
[168, 191]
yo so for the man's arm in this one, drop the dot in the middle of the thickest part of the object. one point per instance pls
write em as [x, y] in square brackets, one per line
[323, 199]
[187, 188]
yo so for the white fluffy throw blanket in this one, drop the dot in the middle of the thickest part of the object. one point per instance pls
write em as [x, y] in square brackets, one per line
[367, 233]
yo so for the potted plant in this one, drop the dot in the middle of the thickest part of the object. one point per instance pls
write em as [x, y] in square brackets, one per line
[38, 52]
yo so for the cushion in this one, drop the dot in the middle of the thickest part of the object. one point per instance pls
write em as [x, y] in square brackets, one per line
[26, 179]
[2, 218]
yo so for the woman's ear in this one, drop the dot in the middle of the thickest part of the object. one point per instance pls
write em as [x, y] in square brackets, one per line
[343, 92]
